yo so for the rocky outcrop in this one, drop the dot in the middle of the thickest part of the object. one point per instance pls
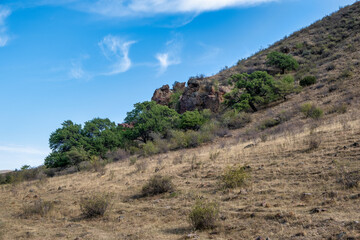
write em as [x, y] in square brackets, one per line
[202, 94]
[162, 95]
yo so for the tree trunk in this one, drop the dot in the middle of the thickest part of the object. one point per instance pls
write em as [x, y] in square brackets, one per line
[253, 106]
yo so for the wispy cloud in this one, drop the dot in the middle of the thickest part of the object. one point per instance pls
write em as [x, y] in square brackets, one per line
[4, 13]
[116, 50]
[123, 8]
[77, 71]
[171, 54]
[210, 53]
[151, 7]
[22, 149]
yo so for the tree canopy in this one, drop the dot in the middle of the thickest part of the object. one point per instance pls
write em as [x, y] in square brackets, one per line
[282, 61]
[250, 89]
[149, 117]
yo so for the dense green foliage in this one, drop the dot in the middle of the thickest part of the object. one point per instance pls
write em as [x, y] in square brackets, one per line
[149, 117]
[307, 81]
[282, 61]
[204, 215]
[192, 120]
[251, 89]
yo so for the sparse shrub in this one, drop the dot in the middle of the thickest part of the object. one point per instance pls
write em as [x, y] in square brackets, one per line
[95, 205]
[204, 215]
[132, 160]
[39, 207]
[338, 108]
[117, 155]
[149, 148]
[234, 177]
[310, 110]
[97, 164]
[2, 226]
[234, 120]
[268, 123]
[313, 142]
[350, 179]
[157, 185]
[213, 156]
[307, 81]
[141, 166]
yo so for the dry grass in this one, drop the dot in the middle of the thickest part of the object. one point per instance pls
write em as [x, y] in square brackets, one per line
[294, 193]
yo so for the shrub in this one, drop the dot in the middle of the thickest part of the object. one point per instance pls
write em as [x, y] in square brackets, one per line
[2, 226]
[117, 155]
[234, 120]
[95, 205]
[310, 110]
[313, 142]
[339, 108]
[191, 120]
[282, 61]
[39, 207]
[234, 177]
[157, 185]
[149, 148]
[268, 123]
[307, 81]
[204, 215]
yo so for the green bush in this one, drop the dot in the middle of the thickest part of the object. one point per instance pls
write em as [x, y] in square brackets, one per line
[310, 110]
[282, 61]
[39, 207]
[234, 177]
[95, 205]
[149, 148]
[307, 81]
[157, 185]
[204, 215]
[191, 120]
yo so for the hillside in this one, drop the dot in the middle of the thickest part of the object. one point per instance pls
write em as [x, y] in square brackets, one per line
[302, 174]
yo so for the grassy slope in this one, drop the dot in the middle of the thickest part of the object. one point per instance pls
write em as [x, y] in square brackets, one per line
[282, 169]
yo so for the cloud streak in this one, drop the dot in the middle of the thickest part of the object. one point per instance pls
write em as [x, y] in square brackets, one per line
[4, 13]
[22, 149]
[171, 54]
[120, 8]
[117, 51]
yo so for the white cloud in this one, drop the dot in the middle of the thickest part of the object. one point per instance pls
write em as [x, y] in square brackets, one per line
[117, 51]
[152, 7]
[4, 13]
[121, 8]
[171, 55]
[76, 70]
[22, 149]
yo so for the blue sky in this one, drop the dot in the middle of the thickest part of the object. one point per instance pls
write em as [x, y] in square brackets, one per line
[72, 59]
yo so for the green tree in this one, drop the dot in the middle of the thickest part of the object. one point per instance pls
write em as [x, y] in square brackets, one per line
[149, 117]
[70, 135]
[191, 120]
[250, 90]
[282, 61]
[285, 86]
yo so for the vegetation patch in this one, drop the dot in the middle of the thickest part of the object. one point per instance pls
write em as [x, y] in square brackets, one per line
[307, 81]
[235, 176]
[39, 207]
[157, 185]
[95, 205]
[310, 110]
[204, 215]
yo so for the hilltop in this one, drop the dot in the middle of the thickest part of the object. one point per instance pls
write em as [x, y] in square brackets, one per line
[301, 172]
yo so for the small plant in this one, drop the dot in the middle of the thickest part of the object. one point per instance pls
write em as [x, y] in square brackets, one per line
[234, 120]
[339, 108]
[350, 179]
[204, 215]
[95, 205]
[234, 177]
[313, 142]
[157, 185]
[132, 160]
[213, 156]
[307, 81]
[268, 123]
[2, 226]
[39, 207]
[310, 110]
